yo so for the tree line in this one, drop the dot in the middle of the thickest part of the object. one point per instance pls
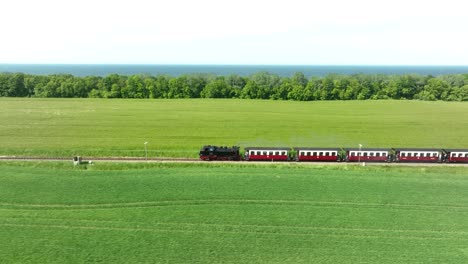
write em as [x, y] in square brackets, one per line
[262, 85]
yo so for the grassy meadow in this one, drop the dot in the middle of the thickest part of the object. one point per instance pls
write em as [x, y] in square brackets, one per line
[51, 212]
[178, 128]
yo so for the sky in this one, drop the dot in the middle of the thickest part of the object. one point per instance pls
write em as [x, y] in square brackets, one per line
[250, 32]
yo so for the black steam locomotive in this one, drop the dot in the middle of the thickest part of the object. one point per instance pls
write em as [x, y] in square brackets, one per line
[220, 153]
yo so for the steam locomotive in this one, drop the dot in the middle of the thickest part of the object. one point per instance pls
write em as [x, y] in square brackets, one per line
[301, 154]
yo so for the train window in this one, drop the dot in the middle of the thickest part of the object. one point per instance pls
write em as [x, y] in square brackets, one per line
[252, 152]
[333, 153]
[403, 154]
[460, 155]
[320, 153]
[353, 154]
[427, 155]
[315, 153]
[377, 154]
[259, 153]
[409, 154]
[371, 154]
[453, 154]
[466, 155]
[327, 153]
[364, 154]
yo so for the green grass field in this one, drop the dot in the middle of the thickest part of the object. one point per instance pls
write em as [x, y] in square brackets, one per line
[208, 213]
[178, 128]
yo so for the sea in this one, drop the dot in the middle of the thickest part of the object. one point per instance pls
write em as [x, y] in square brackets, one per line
[223, 70]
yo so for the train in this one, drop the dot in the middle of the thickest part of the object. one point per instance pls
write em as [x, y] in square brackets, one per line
[311, 154]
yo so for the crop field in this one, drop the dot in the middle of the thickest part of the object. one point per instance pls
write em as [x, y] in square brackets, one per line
[178, 128]
[51, 212]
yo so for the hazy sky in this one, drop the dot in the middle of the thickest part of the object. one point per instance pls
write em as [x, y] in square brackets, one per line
[354, 32]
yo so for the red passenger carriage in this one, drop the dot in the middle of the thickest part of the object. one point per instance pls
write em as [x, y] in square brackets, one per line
[456, 155]
[317, 154]
[368, 155]
[418, 155]
[267, 154]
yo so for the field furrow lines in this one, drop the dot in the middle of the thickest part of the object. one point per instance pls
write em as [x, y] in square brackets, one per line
[197, 226]
[233, 202]
[51, 212]
[310, 234]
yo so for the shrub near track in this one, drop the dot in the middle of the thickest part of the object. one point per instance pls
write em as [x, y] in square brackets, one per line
[171, 213]
[178, 128]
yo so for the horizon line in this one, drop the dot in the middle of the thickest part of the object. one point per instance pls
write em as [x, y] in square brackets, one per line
[235, 64]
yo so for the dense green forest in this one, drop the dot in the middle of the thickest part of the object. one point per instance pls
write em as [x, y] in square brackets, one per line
[261, 85]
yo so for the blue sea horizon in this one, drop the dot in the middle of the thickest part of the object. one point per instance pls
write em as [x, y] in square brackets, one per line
[222, 70]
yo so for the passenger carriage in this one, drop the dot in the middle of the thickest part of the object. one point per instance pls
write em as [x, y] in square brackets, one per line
[317, 154]
[267, 154]
[368, 155]
[456, 155]
[418, 155]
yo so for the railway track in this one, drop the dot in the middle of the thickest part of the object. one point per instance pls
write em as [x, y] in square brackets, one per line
[123, 159]
[194, 160]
